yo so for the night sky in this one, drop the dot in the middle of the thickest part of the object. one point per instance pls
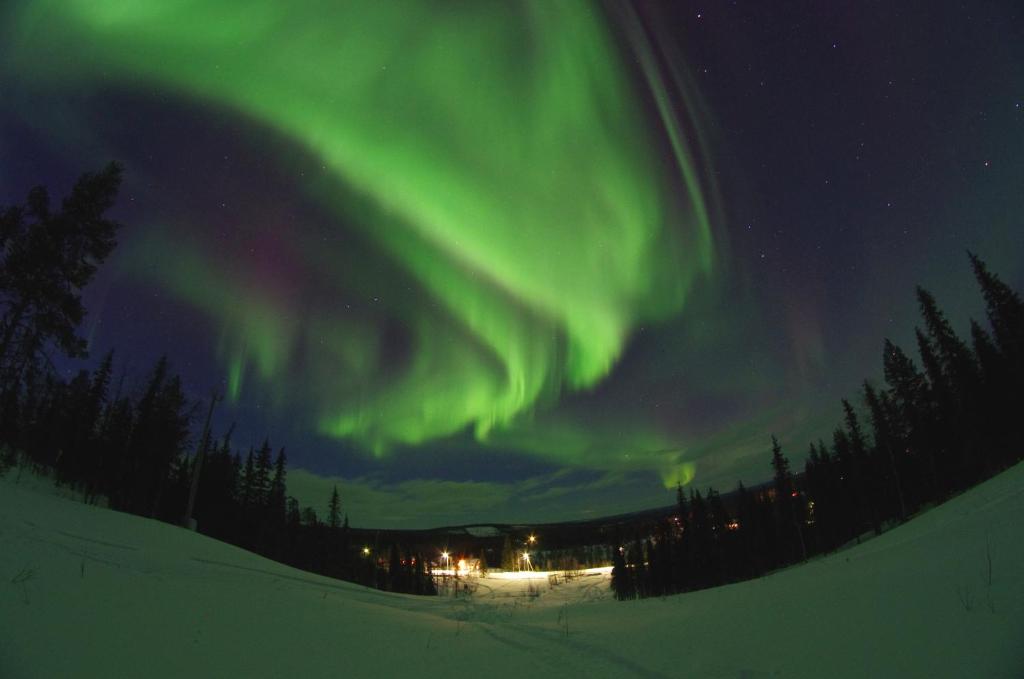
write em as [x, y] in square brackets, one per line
[498, 261]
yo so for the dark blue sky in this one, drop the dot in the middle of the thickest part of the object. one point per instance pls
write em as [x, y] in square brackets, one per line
[852, 151]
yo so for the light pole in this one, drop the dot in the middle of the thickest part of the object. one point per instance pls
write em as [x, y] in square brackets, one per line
[531, 540]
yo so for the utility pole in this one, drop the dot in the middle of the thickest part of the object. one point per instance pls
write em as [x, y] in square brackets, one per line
[188, 521]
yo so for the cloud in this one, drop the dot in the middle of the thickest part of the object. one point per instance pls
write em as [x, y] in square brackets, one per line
[425, 503]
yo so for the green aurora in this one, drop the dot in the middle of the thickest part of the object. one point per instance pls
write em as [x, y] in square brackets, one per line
[498, 154]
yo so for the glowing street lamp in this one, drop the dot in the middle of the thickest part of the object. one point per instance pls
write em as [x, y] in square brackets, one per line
[366, 551]
[444, 555]
[532, 539]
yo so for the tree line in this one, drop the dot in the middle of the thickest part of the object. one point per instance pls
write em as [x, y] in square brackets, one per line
[133, 447]
[926, 434]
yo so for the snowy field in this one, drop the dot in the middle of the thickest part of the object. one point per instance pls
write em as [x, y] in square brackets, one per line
[87, 592]
[539, 589]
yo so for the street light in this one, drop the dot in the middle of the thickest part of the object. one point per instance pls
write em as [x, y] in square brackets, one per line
[532, 539]
[444, 555]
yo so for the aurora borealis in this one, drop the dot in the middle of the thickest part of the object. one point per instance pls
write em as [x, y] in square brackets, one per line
[543, 259]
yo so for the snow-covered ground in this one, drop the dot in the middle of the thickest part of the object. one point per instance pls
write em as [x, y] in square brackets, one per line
[540, 589]
[87, 592]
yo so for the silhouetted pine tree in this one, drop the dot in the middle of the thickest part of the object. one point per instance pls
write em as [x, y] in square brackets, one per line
[293, 515]
[217, 509]
[622, 583]
[157, 439]
[934, 432]
[748, 565]
[813, 488]
[1005, 313]
[960, 387]
[637, 569]
[944, 437]
[47, 257]
[334, 510]
[703, 541]
[662, 562]
[260, 486]
[93, 472]
[912, 426]
[682, 554]
[995, 403]
[721, 553]
[396, 574]
[1003, 372]
[247, 489]
[508, 555]
[849, 500]
[861, 469]
[787, 513]
[114, 441]
[278, 489]
[882, 415]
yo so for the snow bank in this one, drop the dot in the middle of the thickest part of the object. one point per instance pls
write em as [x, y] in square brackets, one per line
[85, 591]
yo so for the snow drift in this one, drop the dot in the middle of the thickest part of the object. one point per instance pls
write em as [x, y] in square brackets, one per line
[88, 592]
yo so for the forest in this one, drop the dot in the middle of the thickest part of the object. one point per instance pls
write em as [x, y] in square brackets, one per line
[926, 434]
[135, 451]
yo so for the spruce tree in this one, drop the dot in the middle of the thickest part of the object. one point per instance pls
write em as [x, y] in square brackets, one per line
[294, 514]
[815, 478]
[682, 566]
[278, 489]
[881, 410]
[248, 481]
[849, 492]
[990, 360]
[1005, 313]
[914, 422]
[88, 436]
[748, 556]
[508, 555]
[996, 399]
[47, 257]
[787, 513]
[863, 470]
[719, 522]
[334, 511]
[956, 360]
[622, 584]
[160, 432]
[702, 543]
